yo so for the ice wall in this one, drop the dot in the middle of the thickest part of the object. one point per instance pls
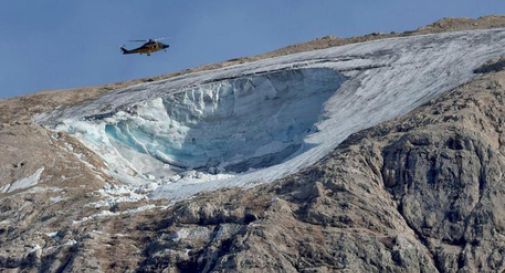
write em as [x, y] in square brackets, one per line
[232, 125]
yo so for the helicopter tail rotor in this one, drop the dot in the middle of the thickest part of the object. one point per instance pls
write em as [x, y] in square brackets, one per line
[124, 50]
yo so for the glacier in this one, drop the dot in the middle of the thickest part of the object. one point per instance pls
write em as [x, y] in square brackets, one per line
[256, 122]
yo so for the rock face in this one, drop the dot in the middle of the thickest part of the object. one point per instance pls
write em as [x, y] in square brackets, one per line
[421, 193]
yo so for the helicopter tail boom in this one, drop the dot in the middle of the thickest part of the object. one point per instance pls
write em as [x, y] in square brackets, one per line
[125, 51]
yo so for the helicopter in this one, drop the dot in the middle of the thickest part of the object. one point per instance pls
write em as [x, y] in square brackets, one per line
[149, 46]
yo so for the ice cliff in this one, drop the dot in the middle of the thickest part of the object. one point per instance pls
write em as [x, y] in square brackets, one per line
[256, 122]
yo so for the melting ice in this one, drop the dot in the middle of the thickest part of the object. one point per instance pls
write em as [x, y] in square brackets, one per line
[259, 121]
[232, 125]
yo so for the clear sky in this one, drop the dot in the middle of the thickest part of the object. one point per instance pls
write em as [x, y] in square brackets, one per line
[56, 44]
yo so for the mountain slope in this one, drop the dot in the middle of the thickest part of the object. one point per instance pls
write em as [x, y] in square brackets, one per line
[420, 193]
[423, 193]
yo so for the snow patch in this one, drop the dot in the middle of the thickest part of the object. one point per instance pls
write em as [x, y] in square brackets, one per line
[52, 234]
[24, 183]
[107, 213]
[114, 194]
[56, 199]
[70, 242]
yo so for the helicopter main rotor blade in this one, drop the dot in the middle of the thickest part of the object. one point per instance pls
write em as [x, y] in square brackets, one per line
[147, 40]
[161, 38]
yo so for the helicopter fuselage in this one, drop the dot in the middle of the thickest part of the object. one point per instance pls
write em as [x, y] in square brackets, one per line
[147, 48]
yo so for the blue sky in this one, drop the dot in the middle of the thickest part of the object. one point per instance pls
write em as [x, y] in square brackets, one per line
[56, 44]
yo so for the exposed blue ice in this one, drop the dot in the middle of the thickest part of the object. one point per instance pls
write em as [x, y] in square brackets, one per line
[231, 125]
